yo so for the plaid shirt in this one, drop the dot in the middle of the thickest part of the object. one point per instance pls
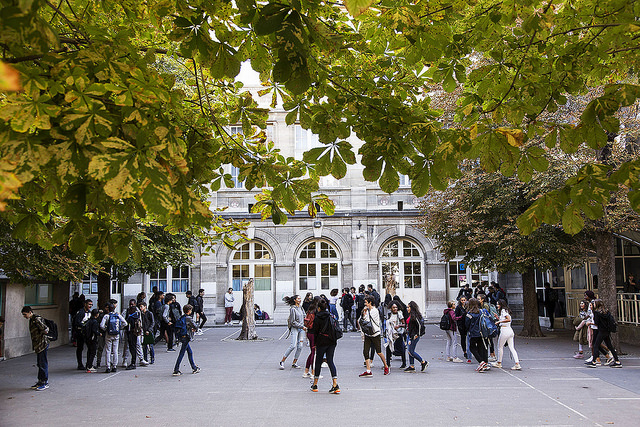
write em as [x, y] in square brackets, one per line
[38, 331]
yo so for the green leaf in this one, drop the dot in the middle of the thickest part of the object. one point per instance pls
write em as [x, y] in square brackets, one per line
[572, 221]
[357, 7]
[389, 180]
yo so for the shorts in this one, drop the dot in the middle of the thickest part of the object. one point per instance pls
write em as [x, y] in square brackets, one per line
[369, 342]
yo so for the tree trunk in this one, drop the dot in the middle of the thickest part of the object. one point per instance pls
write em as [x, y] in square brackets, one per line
[104, 289]
[605, 252]
[248, 331]
[530, 302]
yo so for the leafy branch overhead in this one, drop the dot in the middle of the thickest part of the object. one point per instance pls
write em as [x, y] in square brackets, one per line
[124, 108]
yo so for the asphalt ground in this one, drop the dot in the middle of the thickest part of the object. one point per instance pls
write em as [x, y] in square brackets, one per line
[240, 384]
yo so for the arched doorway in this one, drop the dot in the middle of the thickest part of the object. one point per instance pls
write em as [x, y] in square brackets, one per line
[253, 260]
[402, 260]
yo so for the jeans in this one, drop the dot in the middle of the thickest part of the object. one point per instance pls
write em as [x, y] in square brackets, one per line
[333, 310]
[43, 366]
[312, 346]
[203, 319]
[412, 351]
[347, 319]
[111, 347]
[297, 338]
[451, 345]
[80, 342]
[322, 352]
[91, 353]
[184, 347]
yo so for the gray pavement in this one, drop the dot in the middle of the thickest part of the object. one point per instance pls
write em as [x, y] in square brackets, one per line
[240, 384]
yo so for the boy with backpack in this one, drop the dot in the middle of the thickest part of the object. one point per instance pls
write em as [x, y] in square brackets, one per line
[111, 324]
[184, 328]
[38, 331]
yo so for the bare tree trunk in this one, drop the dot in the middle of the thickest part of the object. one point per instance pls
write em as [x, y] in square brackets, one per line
[530, 302]
[104, 289]
[248, 331]
[605, 252]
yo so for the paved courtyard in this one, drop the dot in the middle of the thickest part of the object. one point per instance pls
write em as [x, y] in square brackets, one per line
[240, 384]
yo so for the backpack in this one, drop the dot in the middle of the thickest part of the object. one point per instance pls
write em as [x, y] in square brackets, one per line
[52, 335]
[86, 331]
[113, 325]
[360, 301]
[332, 329]
[174, 312]
[181, 328]
[421, 328]
[610, 323]
[488, 328]
[445, 322]
[194, 302]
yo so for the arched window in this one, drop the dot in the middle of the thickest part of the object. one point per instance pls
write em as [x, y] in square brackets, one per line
[252, 260]
[402, 260]
[318, 263]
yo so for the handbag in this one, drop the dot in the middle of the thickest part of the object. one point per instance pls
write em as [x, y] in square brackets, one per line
[148, 339]
[366, 326]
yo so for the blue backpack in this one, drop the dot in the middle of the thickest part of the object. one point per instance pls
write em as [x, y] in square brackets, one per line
[113, 325]
[181, 328]
[488, 328]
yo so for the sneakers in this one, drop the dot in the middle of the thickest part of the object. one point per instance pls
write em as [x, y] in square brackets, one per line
[423, 365]
[616, 364]
[609, 361]
[91, 370]
[493, 358]
[176, 373]
[171, 349]
[114, 369]
[295, 366]
[409, 369]
[195, 370]
[144, 363]
[449, 359]
[35, 386]
[598, 362]
[591, 364]
[366, 374]
[335, 389]
[314, 388]
[108, 371]
[578, 355]
[481, 366]
[496, 365]
[42, 387]
[457, 360]
[588, 360]
[281, 366]
[306, 375]
[130, 367]
[386, 370]
[402, 366]
[516, 367]
[81, 368]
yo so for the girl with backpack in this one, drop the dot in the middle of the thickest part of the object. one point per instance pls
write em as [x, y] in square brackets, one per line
[296, 329]
[451, 345]
[308, 323]
[414, 331]
[605, 326]
[477, 344]
[322, 330]
[506, 335]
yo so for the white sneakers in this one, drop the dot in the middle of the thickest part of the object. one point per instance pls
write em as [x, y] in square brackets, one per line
[457, 360]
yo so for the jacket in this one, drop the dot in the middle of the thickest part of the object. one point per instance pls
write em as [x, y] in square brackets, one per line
[472, 323]
[92, 330]
[460, 314]
[194, 303]
[453, 317]
[296, 318]
[321, 327]
[200, 302]
[80, 319]
[228, 300]
[147, 321]
[413, 327]
[38, 331]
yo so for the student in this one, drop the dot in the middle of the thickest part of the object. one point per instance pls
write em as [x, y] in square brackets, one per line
[112, 323]
[604, 322]
[450, 335]
[148, 340]
[38, 331]
[184, 333]
[79, 320]
[493, 313]
[372, 339]
[461, 314]
[91, 336]
[308, 323]
[200, 310]
[134, 336]
[414, 326]
[295, 322]
[170, 314]
[101, 337]
[228, 306]
[477, 346]
[396, 335]
[333, 303]
[326, 345]
[580, 323]
[506, 336]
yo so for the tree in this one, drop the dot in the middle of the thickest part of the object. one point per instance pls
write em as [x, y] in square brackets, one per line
[476, 216]
[101, 131]
[248, 331]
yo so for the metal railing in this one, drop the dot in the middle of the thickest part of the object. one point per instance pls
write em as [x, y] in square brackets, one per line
[628, 307]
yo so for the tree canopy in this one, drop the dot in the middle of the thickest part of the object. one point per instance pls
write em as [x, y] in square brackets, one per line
[124, 105]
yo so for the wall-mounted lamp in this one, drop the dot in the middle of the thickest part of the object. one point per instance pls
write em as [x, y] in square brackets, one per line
[317, 224]
[359, 225]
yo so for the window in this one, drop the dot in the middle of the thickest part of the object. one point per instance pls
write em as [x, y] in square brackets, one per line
[159, 279]
[38, 294]
[179, 278]
[318, 266]
[627, 261]
[401, 260]
[252, 260]
[305, 140]
[457, 274]
[90, 284]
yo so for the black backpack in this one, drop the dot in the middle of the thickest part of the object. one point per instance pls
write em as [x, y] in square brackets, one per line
[445, 322]
[332, 329]
[610, 323]
[360, 301]
[174, 312]
[421, 326]
[52, 335]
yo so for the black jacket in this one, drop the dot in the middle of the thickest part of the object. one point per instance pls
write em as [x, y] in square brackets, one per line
[147, 321]
[321, 329]
[461, 312]
[92, 330]
[413, 327]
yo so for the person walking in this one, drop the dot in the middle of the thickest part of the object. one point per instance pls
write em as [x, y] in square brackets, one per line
[333, 303]
[347, 306]
[148, 339]
[506, 336]
[477, 346]
[605, 322]
[228, 306]
[370, 328]
[461, 314]
[308, 323]
[415, 329]
[91, 337]
[79, 321]
[295, 322]
[396, 327]
[451, 334]
[200, 310]
[40, 343]
[325, 340]
[185, 329]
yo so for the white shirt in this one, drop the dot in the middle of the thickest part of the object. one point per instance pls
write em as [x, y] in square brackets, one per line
[228, 300]
[503, 316]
